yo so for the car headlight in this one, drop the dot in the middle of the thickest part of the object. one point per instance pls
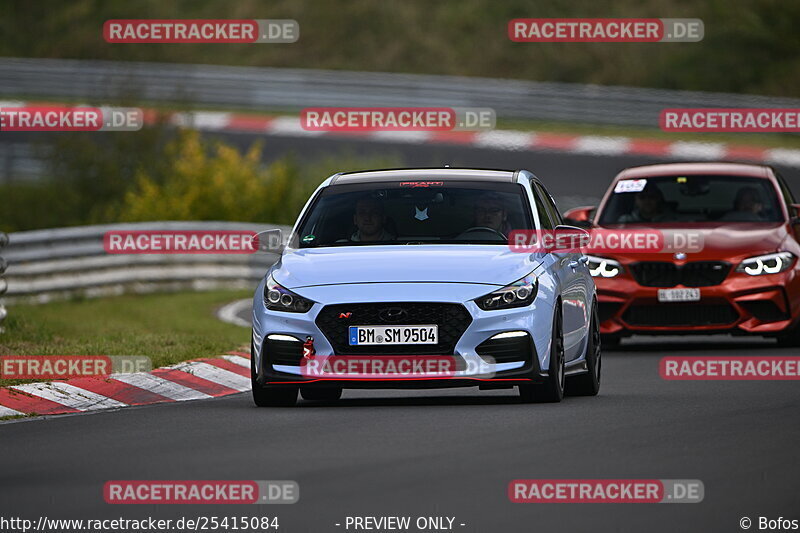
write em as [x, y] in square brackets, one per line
[517, 294]
[603, 267]
[766, 264]
[278, 298]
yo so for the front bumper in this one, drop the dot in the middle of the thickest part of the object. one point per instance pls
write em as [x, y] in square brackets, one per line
[741, 304]
[278, 363]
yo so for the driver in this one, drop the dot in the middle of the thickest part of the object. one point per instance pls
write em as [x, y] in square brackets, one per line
[489, 216]
[747, 206]
[649, 206]
[370, 221]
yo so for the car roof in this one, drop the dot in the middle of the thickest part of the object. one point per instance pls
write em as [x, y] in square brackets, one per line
[671, 169]
[428, 174]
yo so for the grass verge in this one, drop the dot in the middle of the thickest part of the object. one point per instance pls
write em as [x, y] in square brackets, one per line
[168, 328]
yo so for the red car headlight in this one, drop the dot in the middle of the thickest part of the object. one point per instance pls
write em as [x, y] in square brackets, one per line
[766, 264]
[603, 267]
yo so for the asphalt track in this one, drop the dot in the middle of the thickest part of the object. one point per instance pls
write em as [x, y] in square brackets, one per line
[444, 453]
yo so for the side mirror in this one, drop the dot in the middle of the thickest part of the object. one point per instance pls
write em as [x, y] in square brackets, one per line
[580, 217]
[573, 235]
[270, 240]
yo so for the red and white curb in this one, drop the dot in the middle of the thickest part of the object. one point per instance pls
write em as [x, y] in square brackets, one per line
[510, 140]
[191, 380]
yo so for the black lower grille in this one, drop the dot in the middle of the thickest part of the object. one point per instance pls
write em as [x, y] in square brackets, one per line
[506, 350]
[280, 352]
[677, 314]
[765, 310]
[453, 319]
[607, 310]
[694, 274]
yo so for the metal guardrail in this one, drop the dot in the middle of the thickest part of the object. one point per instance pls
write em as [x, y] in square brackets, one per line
[3, 282]
[45, 265]
[282, 88]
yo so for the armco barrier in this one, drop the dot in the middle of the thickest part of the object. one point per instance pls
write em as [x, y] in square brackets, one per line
[57, 263]
[3, 282]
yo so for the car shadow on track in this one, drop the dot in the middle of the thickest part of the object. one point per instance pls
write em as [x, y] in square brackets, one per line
[644, 345]
[476, 399]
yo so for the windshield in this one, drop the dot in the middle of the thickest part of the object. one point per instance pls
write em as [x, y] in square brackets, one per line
[692, 199]
[425, 212]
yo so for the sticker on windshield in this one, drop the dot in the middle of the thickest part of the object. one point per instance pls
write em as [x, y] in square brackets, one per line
[630, 185]
[421, 183]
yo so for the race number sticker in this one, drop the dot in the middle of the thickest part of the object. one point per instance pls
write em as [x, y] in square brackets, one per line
[630, 185]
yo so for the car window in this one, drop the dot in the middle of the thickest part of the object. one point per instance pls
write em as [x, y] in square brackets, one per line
[785, 190]
[545, 218]
[550, 206]
[712, 198]
[411, 212]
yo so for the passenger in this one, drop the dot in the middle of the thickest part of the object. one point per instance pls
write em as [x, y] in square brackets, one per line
[747, 207]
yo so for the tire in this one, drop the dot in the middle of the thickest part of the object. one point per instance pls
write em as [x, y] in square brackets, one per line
[588, 384]
[791, 338]
[270, 396]
[610, 341]
[319, 394]
[552, 390]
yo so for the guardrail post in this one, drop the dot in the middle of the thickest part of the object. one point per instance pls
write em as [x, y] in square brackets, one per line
[3, 282]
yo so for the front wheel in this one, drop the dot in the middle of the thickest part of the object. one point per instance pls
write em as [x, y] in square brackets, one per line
[611, 341]
[588, 384]
[790, 338]
[552, 390]
[270, 396]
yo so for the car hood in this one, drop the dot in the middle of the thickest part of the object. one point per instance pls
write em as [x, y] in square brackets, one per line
[720, 241]
[493, 265]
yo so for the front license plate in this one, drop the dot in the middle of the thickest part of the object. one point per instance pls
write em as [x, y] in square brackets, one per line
[372, 335]
[678, 295]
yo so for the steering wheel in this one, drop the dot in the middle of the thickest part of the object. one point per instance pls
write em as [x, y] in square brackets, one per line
[484, 228]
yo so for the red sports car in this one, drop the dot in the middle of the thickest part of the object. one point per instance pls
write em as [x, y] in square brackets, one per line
[727, 252]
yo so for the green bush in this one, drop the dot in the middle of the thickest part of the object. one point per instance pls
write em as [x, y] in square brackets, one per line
[162, 174]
